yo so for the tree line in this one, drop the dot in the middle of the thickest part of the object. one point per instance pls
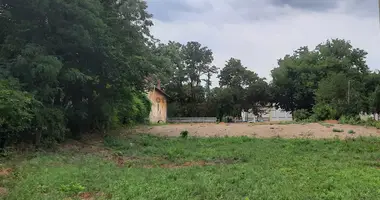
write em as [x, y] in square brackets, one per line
[327, 82]
[82, 66]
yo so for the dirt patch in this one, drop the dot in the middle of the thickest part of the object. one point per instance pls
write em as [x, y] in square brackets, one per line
[5, 172]
[86, 196]
[87, 145]
[92, 196]
[312, 130]
[331, 121]
[3, 191]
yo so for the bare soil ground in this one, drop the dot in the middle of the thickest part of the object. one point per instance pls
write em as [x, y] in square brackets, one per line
[313, 130]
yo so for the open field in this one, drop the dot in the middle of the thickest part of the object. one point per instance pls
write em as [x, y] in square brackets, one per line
[266, 130]
[150, 167]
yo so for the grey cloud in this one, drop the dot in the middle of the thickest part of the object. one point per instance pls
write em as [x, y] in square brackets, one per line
[170, 10]
[314, 5]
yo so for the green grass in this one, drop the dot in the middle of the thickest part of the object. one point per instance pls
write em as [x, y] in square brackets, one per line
[327, 125]
[242, 168]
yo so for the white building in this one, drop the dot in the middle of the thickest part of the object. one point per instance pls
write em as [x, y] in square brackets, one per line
[270, 114]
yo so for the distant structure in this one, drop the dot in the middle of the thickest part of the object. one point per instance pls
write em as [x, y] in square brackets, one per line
[158, 98]
[269, 114]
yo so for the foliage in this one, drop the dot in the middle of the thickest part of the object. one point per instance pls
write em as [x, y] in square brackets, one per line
[375, 100]
[184, 134]
[74, 62]
[134, 108]
[339, 168]
[73, 188]
[301, 114]
[357, 121]
[341, 93]
[338, 130]
[308, 77]
[84, 65]
[17, 110]
[324, 112]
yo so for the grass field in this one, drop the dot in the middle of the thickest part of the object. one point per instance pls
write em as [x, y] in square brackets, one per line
[149, 167]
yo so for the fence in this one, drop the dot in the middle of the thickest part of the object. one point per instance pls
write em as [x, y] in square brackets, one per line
[191, 120]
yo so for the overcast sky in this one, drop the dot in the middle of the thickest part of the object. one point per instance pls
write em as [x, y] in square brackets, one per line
[261, 31]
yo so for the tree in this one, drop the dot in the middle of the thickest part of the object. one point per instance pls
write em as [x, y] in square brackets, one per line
[187, 66]
[74, 57]
[375, 100]
[242, 89]
[297, 77]
[341, 93]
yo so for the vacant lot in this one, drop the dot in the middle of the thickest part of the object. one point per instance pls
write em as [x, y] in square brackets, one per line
[314, 130]
[150, 167]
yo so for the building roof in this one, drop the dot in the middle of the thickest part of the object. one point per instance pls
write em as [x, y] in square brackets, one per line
[162, 92]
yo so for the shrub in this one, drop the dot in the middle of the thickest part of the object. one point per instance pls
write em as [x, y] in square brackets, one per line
[184, 134]
[353, 120]
[17, 113]
[324, 112]
[338, 130]
[351, 132]
[301, 114]
[377, 124]
[135, 108]
[50, 123]
[227, 119]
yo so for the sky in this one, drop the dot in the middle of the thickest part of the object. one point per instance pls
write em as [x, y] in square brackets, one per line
[259, 32]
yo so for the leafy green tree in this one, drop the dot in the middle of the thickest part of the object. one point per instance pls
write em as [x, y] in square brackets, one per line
[74, 57]
[246, 89]
[188, 66]
[375, 100]
[296, 79]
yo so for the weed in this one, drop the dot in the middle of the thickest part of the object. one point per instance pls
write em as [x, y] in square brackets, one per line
[72, 188]
[338, 130]
[184, 134]
[326, 125]
[351, 132]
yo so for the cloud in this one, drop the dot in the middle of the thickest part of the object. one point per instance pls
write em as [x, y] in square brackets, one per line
[259, 32]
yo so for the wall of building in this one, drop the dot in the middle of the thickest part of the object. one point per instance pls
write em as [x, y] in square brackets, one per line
[158, 111]
[270, 114]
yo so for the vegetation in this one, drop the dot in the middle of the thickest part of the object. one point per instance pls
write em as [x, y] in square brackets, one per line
[204, 168]
[338, 130]
[330, 81]
[184, 134]
[358, 121]
[68, 67]
[73, 67]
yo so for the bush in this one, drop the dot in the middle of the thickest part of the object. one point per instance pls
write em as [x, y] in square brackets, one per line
[351, 120]
[324, 112]
[377, 124]
[17, 113]
[227, 119]
[134, 109]
[184, 134]
[338, 130]
[301, 115]
[50, 123]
